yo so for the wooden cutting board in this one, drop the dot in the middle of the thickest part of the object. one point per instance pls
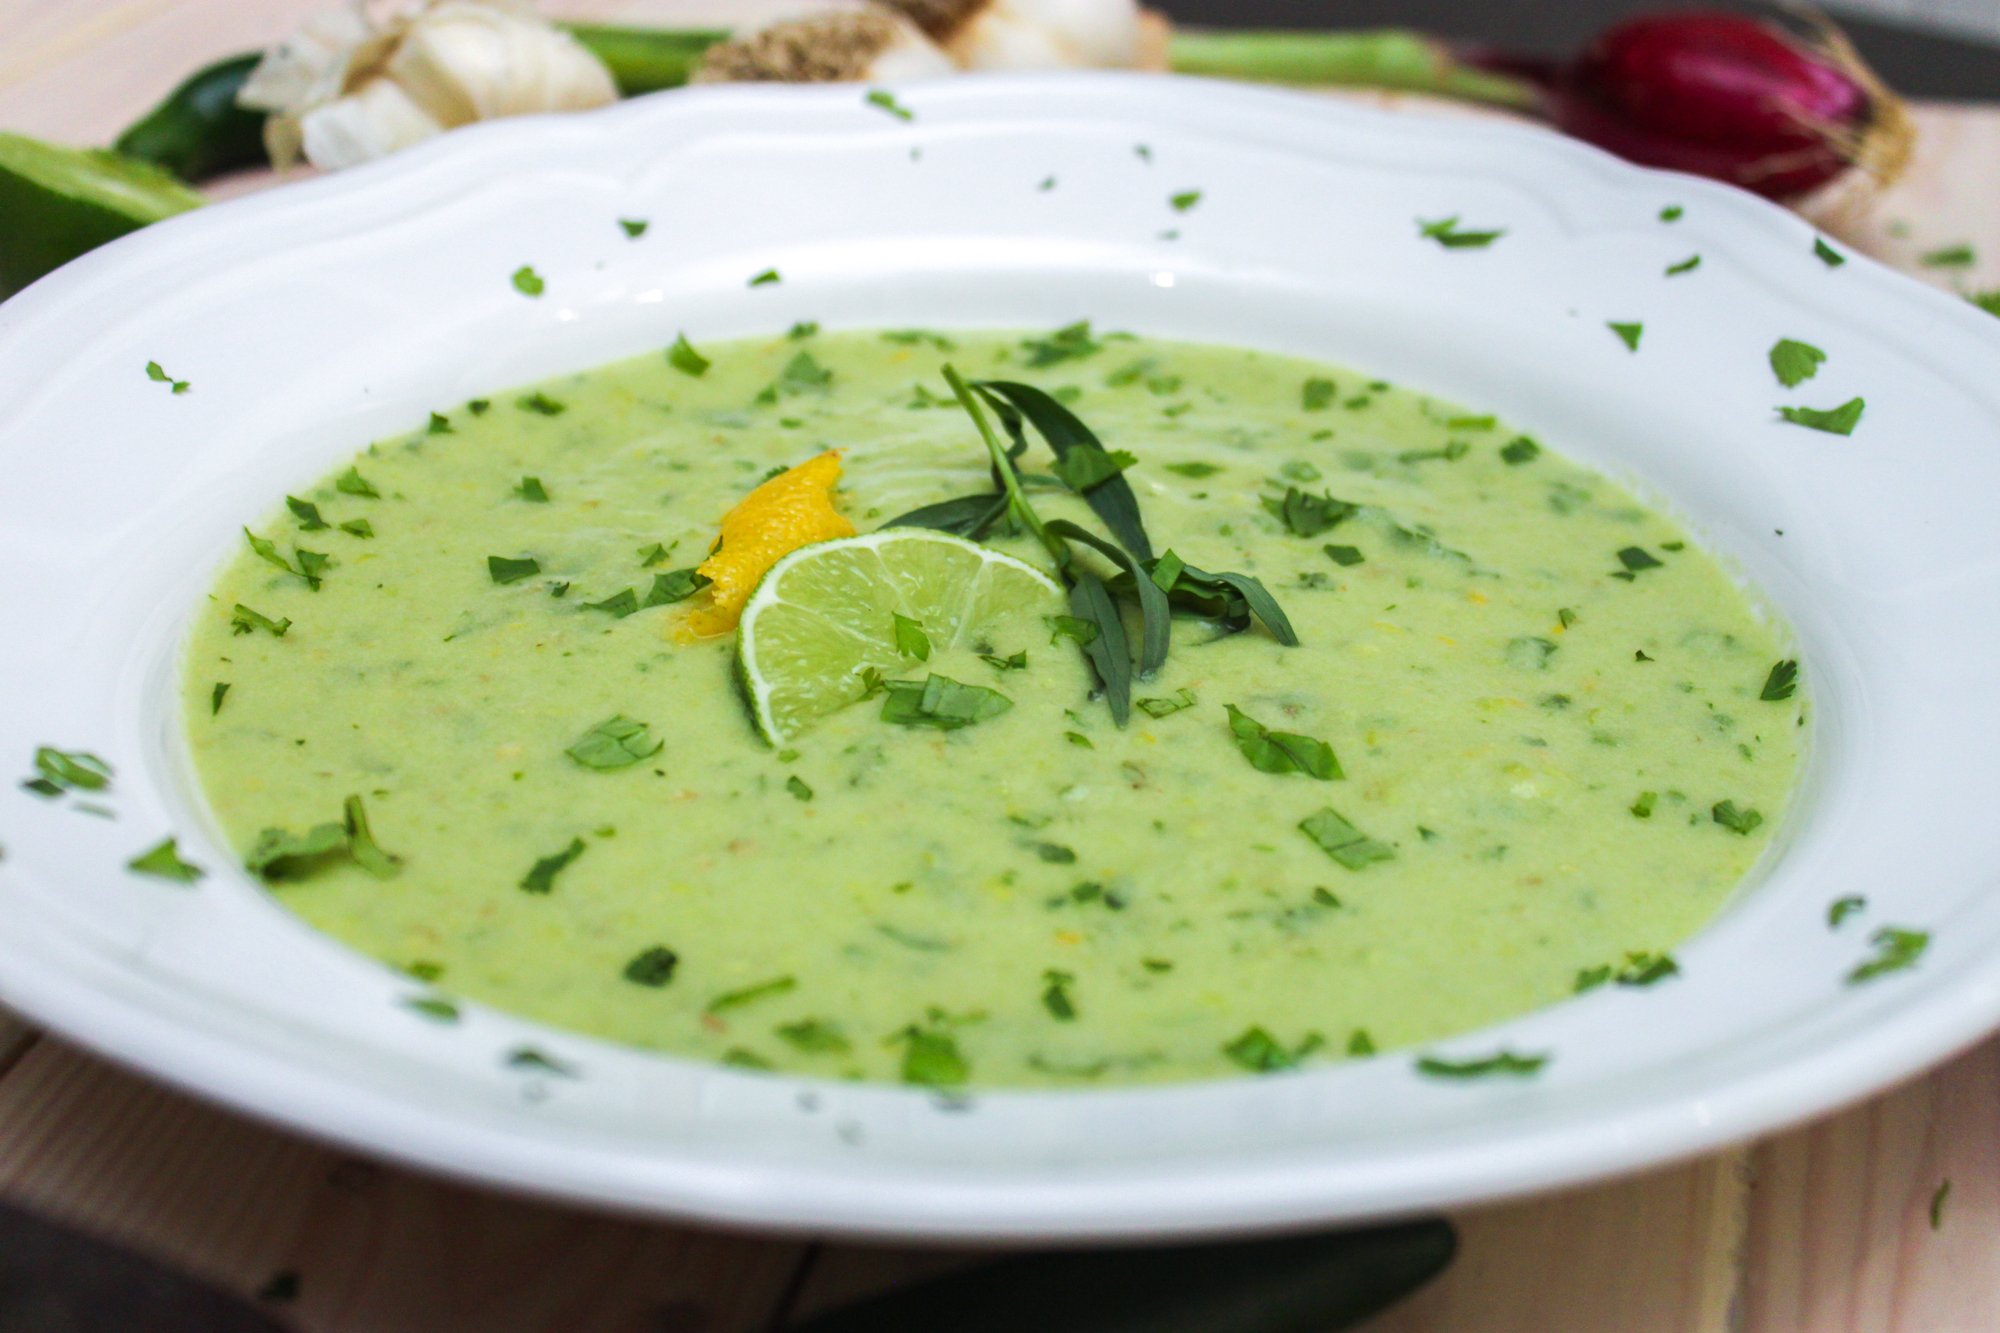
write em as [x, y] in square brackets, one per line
[1827, 1228]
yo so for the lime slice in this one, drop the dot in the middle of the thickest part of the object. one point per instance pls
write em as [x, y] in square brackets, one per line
[826, 613]
[57, 202]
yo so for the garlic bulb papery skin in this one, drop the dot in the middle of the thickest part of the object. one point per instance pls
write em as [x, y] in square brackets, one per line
[348, 89]
[871, 44]
[1030, 34]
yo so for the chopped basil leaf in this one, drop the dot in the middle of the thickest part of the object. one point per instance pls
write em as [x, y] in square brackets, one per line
[69, 770]
[1446, 232]
[796, 785]
[159, 376]
[1168, 706]
[1782, 683]
[440, 425]
[1055, 995]
[802, 374]
[242, 620]
[1629, 334]
[931, 1059]
[1636, 558]
[541, 877]
[802, 330]
[1895, 949]
[1840, 909]
[676, 585]
[911, 641]
[884, 100]
[359, 527]
[279, 855]
[1688, 265]
[1185, 200]
[940, 702]
[532, 490]
[682, 357]
[1069, 343]
[1520, 450]
[1742, 822]
[766, 278]
[1014, 662]
[1360, 1044]
[163, 861]
[634, 228]
[653, 966]
[1342, 841]
[541, 404]
[1307, 515]
[1056, 854]
[1501, 1062]
[1281, 751]
[1643, 807]
[1833, 420]
[618, 605]
[1829, 256]
[1259, 1052]
[306, 512]
[763, 990]
[1084, 632]
[616, 742]
[527, 281]
[351, 482]
[1794, 362]
[215, 697]
[511, 569]
[1344, 555]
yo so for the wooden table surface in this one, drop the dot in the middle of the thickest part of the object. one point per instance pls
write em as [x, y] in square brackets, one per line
[1827, 1227]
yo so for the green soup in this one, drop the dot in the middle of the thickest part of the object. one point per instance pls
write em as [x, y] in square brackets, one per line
[1550, 711]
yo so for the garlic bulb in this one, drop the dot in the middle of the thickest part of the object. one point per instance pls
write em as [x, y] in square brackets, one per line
[347, 89]
[1029, 34]
[870, 44]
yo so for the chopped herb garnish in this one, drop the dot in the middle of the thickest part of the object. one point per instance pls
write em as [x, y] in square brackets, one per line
[1069, 343]
[1672, 213]
[802, 330]
[766, 278]
[163, 861]
[932, 1059]
[1074, 628]
[1829, 256]
[242, 620]
[814, 1036]
[1084, 469]
[532, 490]
[531, 1060]
[351, 482]
[159, 376]
[1643, 807]
[1012, 662]
[1167, 706]
[1782, 683]
[1833, 420]
[1688, 265]
[1638, 970]
[762, 990]
[504, 569]
[1629, 334]
[1185, 200]
[310, 564]
[1360, 1044]
[1794, 362]
[802, 374]
[528, 282]
[1306, 515]
[796, 785]
[541, 877]
[1950, 256]
[306, 512]
[682, 357]
[216, 696]
[1895, 950]
[434, 1007]
[359, 527]
[440, 425]
[884, 100]
[1055, 995]
[1344, 555]
[1259, 1052]
[676, 585]
[541, 404]
[1056, 854]
[1342, 841]
[479, 406]
[616, 742]
[1987, 301]
[1637, 558]
[1840, 909]
[1501, 1062]
[1736, 821]
[280, 855]
[634, 228]
[618, 605]
[652, 966]
[1446, 232]
[59, 771]
[1317, 394]
[941, 703]
[1520, 450]
[361, 844]
[1281, 751]
[911, 641]
[740, 1058]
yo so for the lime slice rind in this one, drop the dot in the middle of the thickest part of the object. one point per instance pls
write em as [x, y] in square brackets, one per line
[823, 616]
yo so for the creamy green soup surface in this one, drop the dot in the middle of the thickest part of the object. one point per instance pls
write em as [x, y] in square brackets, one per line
[1546, 703]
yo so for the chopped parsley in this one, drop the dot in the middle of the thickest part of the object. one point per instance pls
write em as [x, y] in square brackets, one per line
[1056, 997]
[618, 605]
[1360, 1044]
[1840, 909]
[1738, 821]
[1503, 1062]
[1827, 255]
[1346, 844]
[359, 527]
[1643, 807]
[528, 282]
[159, 376]
[1629, 334]
[1447, 233]
[216, 696]
[541, 404]
[306, 512]
[802, 374]
[1782, 683]
[1307, 515]
[911, 641]
[1315, 395]
[310, 564]
[762, 990]
[1639, 969]
[682, 357]
[1672, 213]
[802, 330]
[616, 742]
[242, 620]
[1895, 950]
[884, 100]
[434, 1007]
[1281, 751]
[503, 569]
[58, 771]
[1344, 555]
[281, 855]
[1166, 706]
[1259, 1052]
[633, 228]
[532, 490]
[766, 278]
[813, 1036]
[541, 877]
[1518, 451]
[440, 425]
[675, 585]
[931, 1058]
[796, 785]
[941, 703]
[1071, 342]
[652, 966]
[1185, 200]
[1688, 265]
[351, 482]
[163, 861]
[1638, 558]
[1833, 420]
[1794, 362]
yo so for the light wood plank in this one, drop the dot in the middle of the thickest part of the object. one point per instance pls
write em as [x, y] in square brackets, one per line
[379, 1249]
[1840, 1239]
